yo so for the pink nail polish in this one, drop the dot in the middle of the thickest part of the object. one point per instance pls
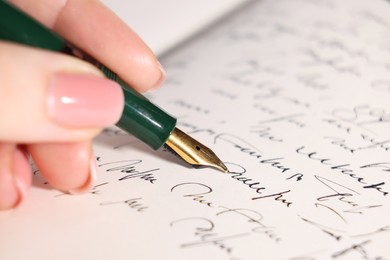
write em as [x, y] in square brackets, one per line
[163, 74]
[84, 100]
[10, 193]
[10, 188]
[161, 80]
[90, 181]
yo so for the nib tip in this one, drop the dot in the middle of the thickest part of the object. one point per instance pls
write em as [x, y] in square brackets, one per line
[221, 166]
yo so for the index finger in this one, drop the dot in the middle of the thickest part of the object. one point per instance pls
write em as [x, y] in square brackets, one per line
[98, 31]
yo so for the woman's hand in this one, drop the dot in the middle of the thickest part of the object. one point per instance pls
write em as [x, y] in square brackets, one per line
[52, 105]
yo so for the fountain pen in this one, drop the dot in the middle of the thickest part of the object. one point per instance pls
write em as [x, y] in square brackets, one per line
[140, 117]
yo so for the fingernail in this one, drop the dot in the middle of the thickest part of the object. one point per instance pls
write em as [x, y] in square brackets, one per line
[92, 175]
[161, 80]
[79, 100]
[11, 192]
[21, 192]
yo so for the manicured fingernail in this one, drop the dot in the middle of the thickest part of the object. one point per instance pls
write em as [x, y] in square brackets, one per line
[90, 181]
[21, 192]
[10, 189]
[84, 100]
[161, 80]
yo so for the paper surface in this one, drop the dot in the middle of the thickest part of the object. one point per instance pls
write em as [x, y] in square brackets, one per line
[164, 24]
[294, 97]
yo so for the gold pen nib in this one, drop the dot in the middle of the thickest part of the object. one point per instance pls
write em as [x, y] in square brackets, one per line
[193, 152]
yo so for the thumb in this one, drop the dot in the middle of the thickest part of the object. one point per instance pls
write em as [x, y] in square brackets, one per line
[46, 97]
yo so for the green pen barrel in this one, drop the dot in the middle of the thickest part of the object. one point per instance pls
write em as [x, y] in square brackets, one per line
[15, 26]
[141, 117]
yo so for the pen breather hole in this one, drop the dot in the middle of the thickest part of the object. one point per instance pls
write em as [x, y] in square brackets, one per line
[197, 148]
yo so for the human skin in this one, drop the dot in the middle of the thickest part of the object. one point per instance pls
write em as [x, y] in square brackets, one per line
[53, 105]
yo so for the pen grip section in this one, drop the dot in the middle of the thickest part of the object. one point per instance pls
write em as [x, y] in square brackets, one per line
[140, 117]
[145, 120]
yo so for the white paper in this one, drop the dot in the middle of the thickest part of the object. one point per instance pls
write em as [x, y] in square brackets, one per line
[293, 95]
[165, 24]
